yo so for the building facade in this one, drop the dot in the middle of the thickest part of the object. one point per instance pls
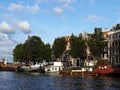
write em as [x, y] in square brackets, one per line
[114, 45]
[104, 56]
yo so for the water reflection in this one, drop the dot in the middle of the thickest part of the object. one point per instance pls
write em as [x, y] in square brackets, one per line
[37, 81]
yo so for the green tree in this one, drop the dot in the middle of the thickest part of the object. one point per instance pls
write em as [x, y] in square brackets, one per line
[33, 49]
[59, 46]
[18, 53]
[97, 43]
[46, 53]
[77, 46]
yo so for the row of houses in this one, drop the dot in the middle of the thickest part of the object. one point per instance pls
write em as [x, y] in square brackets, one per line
[112, 50]
[114, 45]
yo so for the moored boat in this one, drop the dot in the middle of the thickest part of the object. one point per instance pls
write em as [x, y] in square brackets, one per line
[99, 70]
[31, 68]
[107, 69]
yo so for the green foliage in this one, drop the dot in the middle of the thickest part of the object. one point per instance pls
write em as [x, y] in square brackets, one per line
[59, 46]
[46, 52]
[34, 50]
[77, 47]
[97, 42]
[18, 53]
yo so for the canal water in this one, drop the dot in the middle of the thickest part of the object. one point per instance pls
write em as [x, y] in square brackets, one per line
[36, 81]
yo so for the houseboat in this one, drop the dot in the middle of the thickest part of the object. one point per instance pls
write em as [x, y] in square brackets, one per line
[55, 67]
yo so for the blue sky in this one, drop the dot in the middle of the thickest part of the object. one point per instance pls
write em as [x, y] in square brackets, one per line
[49, 19]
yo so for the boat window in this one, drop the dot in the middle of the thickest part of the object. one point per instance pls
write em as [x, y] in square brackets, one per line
[105, 67]
[48, 69]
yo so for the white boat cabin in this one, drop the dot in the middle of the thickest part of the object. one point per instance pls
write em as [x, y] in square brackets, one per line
[56, 67]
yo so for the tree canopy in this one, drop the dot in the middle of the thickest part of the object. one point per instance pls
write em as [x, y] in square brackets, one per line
[59, 46]
[18, 53]
[97, 42]
[33, 50]
[77, 49]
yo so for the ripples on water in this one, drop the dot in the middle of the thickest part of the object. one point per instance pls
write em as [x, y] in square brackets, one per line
[36, 81]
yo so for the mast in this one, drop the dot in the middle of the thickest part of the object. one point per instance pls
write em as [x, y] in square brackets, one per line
[6, 59]
[28, 49]
[6, 49]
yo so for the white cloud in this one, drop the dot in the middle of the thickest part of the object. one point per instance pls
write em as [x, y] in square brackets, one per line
[24, 26]
[34, 9]
[15, 7]
[4, 40]
[66, 1]
[92, 2]
[39, 1]
[59, 1]
[5, 27]
[18, 7]
[67, 6]
[2, 35]
[87, 3]
[58, 10]
[94, 18]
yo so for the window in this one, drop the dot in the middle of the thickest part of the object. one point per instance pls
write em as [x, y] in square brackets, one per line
[78, 62]
[112, 44]
[118, 36]
[112, 51]
[109, 37]
[115, 36]
[119, 59]
[115, 44]
[119, 43]
[119, 50]
[112, 37]
[48, 69]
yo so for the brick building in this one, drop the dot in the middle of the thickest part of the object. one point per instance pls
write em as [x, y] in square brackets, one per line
[114, 45]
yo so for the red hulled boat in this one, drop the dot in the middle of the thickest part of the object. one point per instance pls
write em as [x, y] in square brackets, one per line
[99, 70]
